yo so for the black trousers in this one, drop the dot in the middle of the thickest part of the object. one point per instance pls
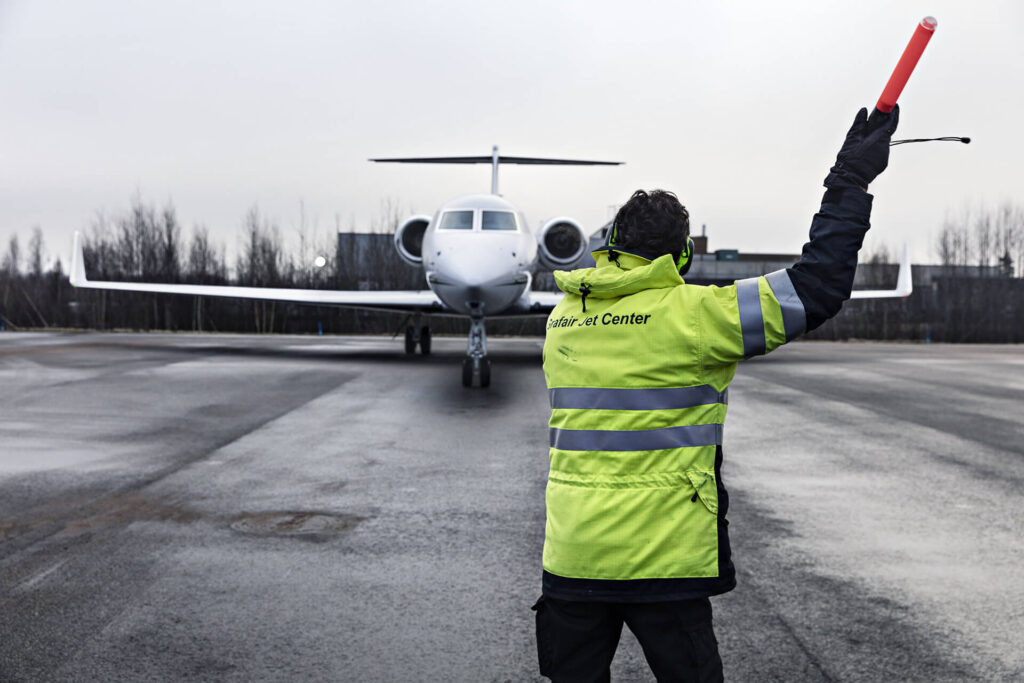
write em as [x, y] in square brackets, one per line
[576, 641]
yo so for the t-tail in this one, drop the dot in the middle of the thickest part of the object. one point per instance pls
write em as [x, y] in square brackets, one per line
[494, 160]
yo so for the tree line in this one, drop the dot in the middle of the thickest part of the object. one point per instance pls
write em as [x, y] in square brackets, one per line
[974, 294]
[147, 243]
[977, 295]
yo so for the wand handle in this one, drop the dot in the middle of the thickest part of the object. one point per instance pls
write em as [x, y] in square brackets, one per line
[906, 65]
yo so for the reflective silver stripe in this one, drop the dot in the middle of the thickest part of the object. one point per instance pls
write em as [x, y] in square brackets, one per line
[634, 399]
[794, 318]
[751, 320]
[641, 440]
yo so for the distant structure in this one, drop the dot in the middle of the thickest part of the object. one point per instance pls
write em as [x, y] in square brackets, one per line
[724, 266]
[369, 261]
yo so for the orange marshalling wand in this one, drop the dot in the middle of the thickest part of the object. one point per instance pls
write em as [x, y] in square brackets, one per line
[906, 65]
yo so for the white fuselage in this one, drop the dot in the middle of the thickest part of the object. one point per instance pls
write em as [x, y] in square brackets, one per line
[477, 255]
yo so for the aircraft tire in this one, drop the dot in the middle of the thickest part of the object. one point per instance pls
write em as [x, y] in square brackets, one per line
[485, 372]
[425, 341]
[467, 372]
[410, 341]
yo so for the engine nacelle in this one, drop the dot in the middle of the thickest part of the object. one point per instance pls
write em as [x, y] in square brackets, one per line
[561, 242]
[409, 239]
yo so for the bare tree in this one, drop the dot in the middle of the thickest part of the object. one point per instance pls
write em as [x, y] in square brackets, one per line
[169, 257]
[31, 285]
[944, 244]
[35, 252]
[262, 263]
[955, 245]
[205, 261]
[12, 259]
[983, 240]
[205, 266]
[880, 254]
[10, 272]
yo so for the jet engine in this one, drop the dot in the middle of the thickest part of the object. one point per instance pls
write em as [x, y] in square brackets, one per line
[561, 243]
[409, 239]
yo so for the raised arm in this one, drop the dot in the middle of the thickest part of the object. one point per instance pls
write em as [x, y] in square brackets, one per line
[823, 277]
[757, 315]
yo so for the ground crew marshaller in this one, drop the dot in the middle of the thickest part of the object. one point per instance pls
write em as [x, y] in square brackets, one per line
[638, 364]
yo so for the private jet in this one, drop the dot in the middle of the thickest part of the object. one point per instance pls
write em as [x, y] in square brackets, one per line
[477, 253]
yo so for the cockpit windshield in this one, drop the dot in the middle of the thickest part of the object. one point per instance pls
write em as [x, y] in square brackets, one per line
[456, 220]
[499, 220]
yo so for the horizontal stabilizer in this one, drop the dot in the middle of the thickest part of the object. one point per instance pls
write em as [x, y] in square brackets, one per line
[530, 161]
[495, 160]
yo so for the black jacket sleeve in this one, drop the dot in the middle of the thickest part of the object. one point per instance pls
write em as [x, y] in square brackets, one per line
[823, 277]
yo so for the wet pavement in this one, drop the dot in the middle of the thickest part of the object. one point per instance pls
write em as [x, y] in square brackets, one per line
[217, 507]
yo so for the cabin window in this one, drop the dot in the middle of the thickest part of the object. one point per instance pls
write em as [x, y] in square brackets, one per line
[456, 220]
[499, 220]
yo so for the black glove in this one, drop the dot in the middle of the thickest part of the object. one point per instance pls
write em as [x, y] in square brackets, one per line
[865, 152]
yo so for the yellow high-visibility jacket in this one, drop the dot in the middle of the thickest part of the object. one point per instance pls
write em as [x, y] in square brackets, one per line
[638, 364]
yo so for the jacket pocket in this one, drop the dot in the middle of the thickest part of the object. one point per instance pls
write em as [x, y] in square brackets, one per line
[704, 489]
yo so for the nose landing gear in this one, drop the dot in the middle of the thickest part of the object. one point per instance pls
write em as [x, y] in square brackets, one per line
[476, 366]
[476, 362]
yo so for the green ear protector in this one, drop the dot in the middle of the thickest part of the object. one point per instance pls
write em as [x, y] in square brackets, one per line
[683, 261]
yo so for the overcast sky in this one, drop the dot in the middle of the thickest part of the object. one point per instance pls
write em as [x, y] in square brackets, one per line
[738, 107]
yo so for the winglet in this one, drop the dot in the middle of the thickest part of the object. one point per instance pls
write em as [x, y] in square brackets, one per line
[904, 283]
[78, 278]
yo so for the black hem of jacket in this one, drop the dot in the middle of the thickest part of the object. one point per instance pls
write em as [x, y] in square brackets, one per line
[634, 590]
[655, 590]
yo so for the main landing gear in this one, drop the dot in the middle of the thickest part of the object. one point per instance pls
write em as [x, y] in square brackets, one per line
[475, 366]
[476, 363]
[417, 335]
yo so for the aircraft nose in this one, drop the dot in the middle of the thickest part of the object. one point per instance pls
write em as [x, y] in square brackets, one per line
[478, 270]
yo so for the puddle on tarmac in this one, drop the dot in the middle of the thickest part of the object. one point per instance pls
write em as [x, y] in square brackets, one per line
[301, 524]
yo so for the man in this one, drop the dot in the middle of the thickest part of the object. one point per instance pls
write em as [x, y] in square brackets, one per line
[637, 364]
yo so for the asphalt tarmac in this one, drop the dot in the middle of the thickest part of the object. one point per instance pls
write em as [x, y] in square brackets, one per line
[196, 507]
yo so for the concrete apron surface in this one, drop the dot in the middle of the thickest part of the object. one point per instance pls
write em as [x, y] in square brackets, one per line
[194, 507]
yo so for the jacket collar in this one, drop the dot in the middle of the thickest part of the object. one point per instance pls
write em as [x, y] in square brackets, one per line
[628, 273]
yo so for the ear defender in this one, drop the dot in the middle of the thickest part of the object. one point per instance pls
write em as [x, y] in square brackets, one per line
[685, 259]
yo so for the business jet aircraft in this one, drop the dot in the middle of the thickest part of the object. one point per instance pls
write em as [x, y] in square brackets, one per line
[477, 253]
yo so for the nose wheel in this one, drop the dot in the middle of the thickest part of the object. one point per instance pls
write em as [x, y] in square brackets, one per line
[476, 363]
[485, 372]
[480, 367]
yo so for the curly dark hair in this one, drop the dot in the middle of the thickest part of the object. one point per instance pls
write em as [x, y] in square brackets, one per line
[652, 223]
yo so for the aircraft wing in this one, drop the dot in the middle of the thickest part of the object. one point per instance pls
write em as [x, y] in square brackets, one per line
[904, 283]
[400, 300]
[543, 302]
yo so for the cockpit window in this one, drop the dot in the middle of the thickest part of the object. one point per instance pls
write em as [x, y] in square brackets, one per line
[499, 220]
[456, 220]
